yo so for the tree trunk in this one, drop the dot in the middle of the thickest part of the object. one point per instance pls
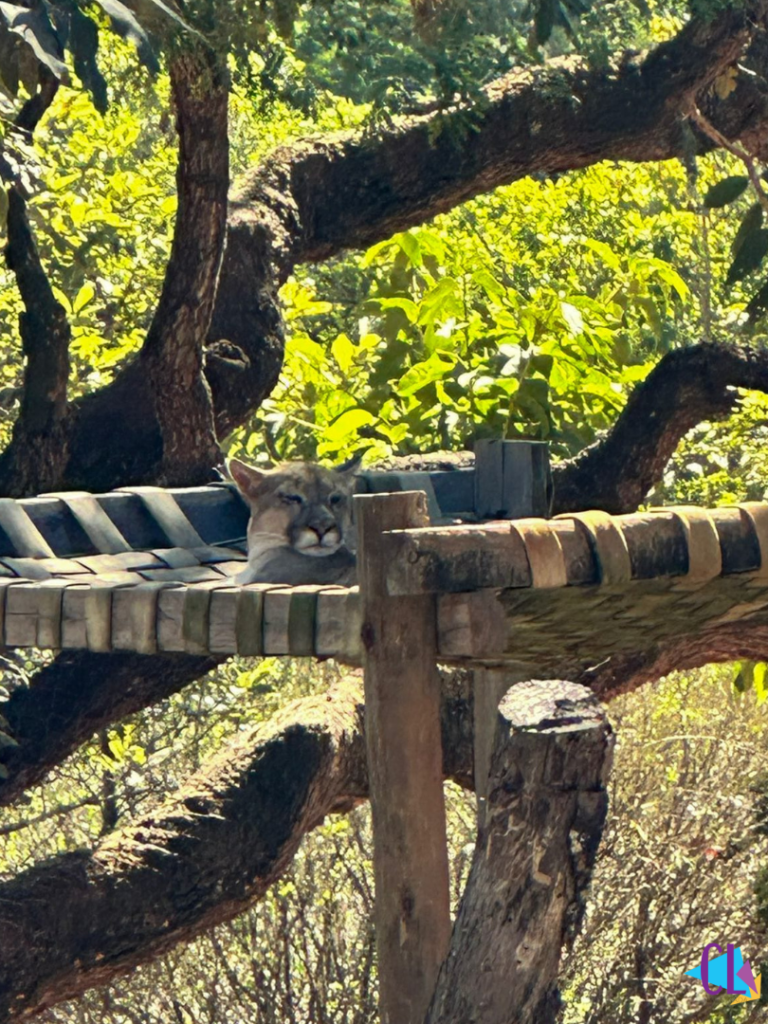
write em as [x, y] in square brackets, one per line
[533, 860]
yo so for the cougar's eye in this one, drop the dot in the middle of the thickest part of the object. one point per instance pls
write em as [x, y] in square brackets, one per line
[336, 499]
[292, 499]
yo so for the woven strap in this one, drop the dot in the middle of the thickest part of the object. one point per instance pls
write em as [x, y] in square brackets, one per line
[544, 551]
[705, 557]
[95, 522]
[165, 511]
[22, 532]
[608, 543]
[756, 513]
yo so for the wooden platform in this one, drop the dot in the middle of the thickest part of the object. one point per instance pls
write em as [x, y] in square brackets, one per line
[152, 570]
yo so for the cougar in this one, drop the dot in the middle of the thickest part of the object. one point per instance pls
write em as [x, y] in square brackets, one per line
[301, 528]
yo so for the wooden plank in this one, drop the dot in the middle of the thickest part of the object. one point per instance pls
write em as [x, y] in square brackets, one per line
[337, 624]
[402, 727]
[129, 560]
[20, 625]
[193, 574]
[134, 617]
[249, 620]
[276, 618]
[222, 638]
[176, 558]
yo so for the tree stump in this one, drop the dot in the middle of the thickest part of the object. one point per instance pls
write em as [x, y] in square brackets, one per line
[535, 853]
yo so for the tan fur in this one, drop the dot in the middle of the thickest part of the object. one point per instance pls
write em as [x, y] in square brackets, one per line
[301, 528]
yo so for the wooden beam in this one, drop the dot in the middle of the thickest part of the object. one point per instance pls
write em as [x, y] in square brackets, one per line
[402, 726]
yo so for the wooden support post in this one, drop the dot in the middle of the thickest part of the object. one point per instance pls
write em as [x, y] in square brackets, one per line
[402, 727]
[524, 899]
[512, 479]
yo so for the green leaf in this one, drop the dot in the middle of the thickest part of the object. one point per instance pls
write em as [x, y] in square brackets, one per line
[760, 681]
[348, 423]
[744, 676]
[652, 315]
[749, 257]
[83, 297]
[726, 191]
[751, 221]
[421, 374]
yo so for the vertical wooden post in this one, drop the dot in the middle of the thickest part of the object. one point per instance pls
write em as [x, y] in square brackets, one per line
[402, 727]
[512, 479]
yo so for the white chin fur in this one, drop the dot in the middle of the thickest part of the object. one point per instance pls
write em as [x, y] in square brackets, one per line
[319, 550]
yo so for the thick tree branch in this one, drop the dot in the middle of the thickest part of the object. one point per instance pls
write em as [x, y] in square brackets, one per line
[172, 356]
[313, 200]
[76, 696]
[687, 386]
[201, 858]
[40, 439]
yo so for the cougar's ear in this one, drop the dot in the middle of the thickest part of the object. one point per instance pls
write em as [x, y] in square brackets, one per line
[246, 477]
[351, 466]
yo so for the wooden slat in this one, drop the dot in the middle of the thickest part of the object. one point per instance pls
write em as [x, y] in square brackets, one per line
[249, 621]
[338, 620]
[194, 574]
[164, 509]
[27, 540]
[44, 568]
[134, 617]
[402, 728]
[129, 560]
[222, 638]
[95, 522]
[20, 626]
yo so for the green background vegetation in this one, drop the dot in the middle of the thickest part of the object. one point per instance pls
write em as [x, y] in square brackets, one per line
[531, 312]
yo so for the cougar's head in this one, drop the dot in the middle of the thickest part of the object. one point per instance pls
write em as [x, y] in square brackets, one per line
[299, 504]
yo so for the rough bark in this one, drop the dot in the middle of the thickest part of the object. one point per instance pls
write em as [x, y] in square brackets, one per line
[74, 697]
[533, 859]
[311, 201]
[40, 435]
[688, 386]
[201, 858]
[171, 359]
